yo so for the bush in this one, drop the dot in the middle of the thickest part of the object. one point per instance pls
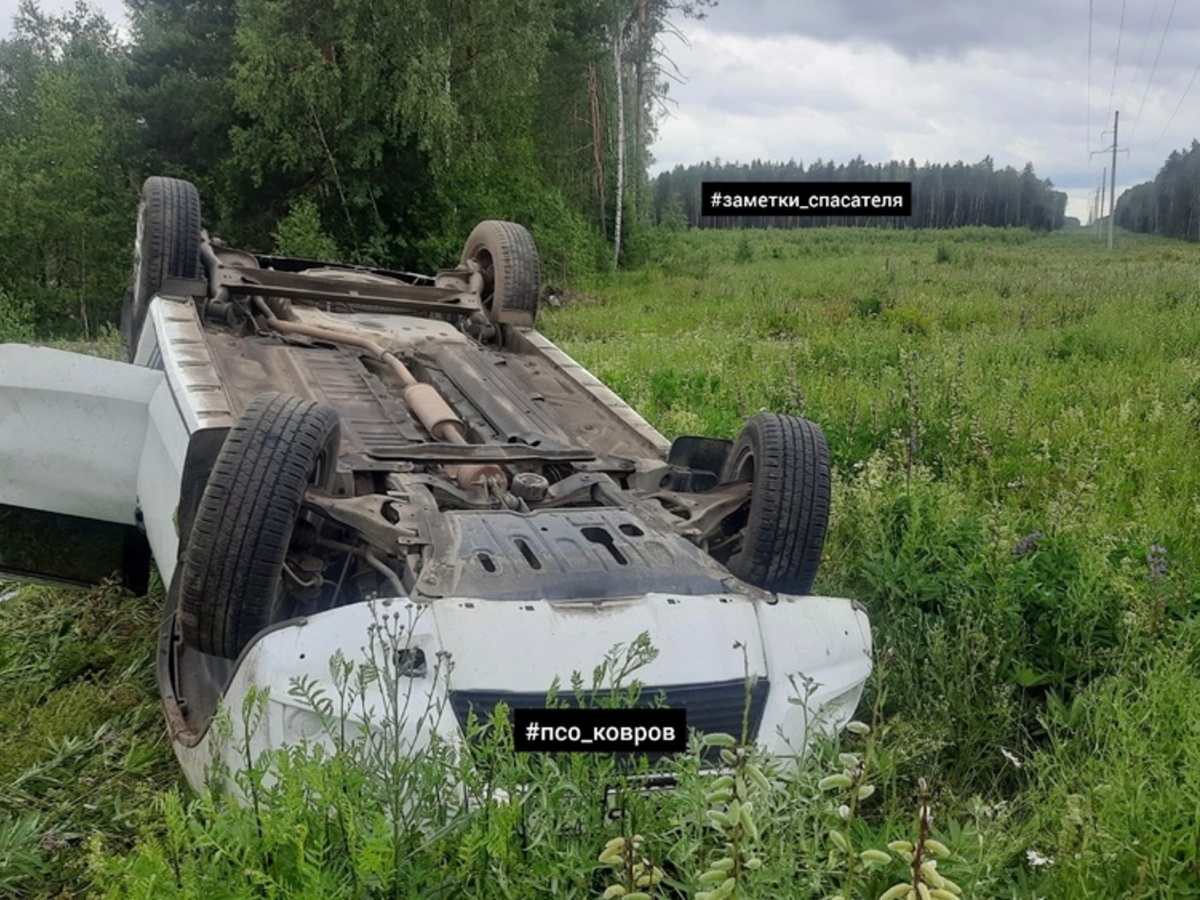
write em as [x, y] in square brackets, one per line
[16, 320]
[299, 233]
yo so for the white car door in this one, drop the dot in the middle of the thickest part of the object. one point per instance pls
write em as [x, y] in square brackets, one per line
[72, 433]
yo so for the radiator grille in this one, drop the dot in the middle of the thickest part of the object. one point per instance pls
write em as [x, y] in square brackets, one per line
[711, 707]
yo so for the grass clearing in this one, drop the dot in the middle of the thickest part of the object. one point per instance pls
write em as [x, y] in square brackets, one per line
[1013, 421]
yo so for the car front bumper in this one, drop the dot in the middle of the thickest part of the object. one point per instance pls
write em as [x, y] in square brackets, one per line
[809, 658]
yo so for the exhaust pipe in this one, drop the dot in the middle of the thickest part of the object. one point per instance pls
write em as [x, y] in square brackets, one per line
[423, 400]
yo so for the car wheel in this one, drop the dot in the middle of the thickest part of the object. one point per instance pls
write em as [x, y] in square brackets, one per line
[231, 579]
[167, 246]
[508, 259]
[780, 536]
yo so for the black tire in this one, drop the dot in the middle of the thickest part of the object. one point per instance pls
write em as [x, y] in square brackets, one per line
[231, 576]
[783, 530]
[512, 272]
[168, 246]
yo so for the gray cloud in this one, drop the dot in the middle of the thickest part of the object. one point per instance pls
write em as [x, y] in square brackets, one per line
[917, 28]
[816, 79]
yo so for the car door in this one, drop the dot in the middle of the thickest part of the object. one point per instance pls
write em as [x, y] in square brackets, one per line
[72, 431]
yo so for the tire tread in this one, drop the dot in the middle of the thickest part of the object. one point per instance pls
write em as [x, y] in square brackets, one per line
[516, 266]
[240, 537]
[789, 506]
[170, 212]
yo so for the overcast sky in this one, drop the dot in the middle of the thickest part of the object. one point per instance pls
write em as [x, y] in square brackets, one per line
[803, 79]
[937, 81]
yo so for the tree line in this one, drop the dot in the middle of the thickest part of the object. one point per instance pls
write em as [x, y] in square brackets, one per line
[373, 132]
[377, 133]
[1170, 204]
[944, 196]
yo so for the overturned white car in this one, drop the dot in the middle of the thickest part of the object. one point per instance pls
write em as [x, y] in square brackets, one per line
[292, 439]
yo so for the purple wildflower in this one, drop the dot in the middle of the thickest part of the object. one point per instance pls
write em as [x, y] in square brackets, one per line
[1027, 544]
[1157, 560]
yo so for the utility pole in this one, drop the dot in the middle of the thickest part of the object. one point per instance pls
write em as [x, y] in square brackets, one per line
[1112, 175]
[1103, 187]
[1112, 188]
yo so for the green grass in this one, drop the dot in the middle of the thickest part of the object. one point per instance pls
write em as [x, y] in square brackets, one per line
[82, 743]
[1013, 421]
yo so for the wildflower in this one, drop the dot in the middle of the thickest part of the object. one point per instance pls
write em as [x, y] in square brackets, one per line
[1157, 560]
[1036, 859]
[1027, 544]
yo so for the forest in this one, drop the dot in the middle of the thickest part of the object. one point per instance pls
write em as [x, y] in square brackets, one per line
[944, 196]
[368, 132]
[1170, 204]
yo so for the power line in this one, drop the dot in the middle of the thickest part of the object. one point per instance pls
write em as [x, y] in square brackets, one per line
[1177, 107]
[1153, 69]
[1117, 58]
[1149, 30]
[1089, 105]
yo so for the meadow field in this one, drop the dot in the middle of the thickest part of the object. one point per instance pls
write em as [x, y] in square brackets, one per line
[1014, 421]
